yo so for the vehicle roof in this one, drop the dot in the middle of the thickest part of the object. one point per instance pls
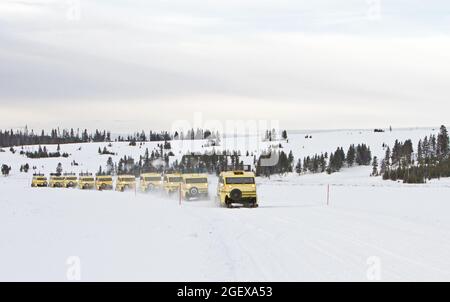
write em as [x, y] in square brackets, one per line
[126, 175]
[173, 174]
[237, 174]
[103, 176]
[150, 174]
[195, 175]
[84, 177]
[39, 176]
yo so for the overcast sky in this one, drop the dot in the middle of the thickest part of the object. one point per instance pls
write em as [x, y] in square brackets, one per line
[132, 64]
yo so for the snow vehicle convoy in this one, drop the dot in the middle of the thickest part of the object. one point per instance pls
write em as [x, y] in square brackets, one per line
[234, 187]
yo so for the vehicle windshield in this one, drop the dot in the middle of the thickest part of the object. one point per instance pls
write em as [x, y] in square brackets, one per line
[41, 178]
[71, 178]
[127, 179]
[175, 179]
[196, 180]
[240, 180]
[104, 179]
[152, 178]
[58, 178]
[87, 179]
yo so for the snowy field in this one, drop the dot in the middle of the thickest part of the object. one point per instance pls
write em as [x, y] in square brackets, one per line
[371, 230]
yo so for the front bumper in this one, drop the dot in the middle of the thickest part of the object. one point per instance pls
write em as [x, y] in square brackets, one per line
[172, 189]
[41, 185]
[86, 186]
[104, 186]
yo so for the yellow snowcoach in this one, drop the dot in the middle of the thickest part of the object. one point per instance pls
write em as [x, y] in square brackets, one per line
[56, 181]
[194, 186]
[103, 182]
[125, 182]
[171, 182]
[150, 181]
[86, 181]
[39, 180]
[237, 187]
[70, 180]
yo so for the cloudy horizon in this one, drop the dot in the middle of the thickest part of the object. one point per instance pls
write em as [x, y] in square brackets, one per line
[126, 65]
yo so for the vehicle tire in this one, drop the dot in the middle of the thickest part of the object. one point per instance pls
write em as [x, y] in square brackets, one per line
[236, 194]
[151, 187]
[193, 191]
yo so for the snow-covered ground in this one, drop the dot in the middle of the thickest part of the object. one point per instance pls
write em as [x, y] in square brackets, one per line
[372, 229]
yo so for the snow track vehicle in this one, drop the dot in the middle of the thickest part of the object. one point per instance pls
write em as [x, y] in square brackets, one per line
[172, 182]
[56, 181]
[70, 180]
[237, 187]
[39, 180]
[150, 182]
[103, 182]
[86, 181]
[125, 182]
[194, 186]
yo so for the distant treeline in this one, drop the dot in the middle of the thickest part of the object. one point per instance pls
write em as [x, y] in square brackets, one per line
[333, 162]
[432, 159]
[158, 161]
[10, 138]
[192, 134]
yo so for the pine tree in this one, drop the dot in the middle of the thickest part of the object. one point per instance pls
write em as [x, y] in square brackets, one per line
[298, 167]
[442, 148]
[375, 166]
[351, 155]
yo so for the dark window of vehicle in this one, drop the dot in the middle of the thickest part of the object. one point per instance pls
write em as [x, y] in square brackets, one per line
[196, 180]
[152, 178]
[240, 180]
[174, 179]
[104, 179]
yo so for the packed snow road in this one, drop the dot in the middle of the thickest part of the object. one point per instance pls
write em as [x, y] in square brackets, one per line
[370, 231]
